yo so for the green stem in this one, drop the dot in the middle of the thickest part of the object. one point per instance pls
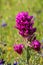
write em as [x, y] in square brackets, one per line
[28, 55]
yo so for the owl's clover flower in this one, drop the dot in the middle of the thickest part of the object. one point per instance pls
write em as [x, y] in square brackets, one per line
[18, 48]
[24, 24]
[35, 44]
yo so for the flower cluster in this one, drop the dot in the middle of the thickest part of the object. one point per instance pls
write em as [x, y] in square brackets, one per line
[24, 24]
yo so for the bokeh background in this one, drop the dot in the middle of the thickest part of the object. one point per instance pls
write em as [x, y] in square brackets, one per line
[9, 35]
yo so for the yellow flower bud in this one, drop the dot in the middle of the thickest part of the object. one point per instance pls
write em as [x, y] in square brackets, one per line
[9, 48]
